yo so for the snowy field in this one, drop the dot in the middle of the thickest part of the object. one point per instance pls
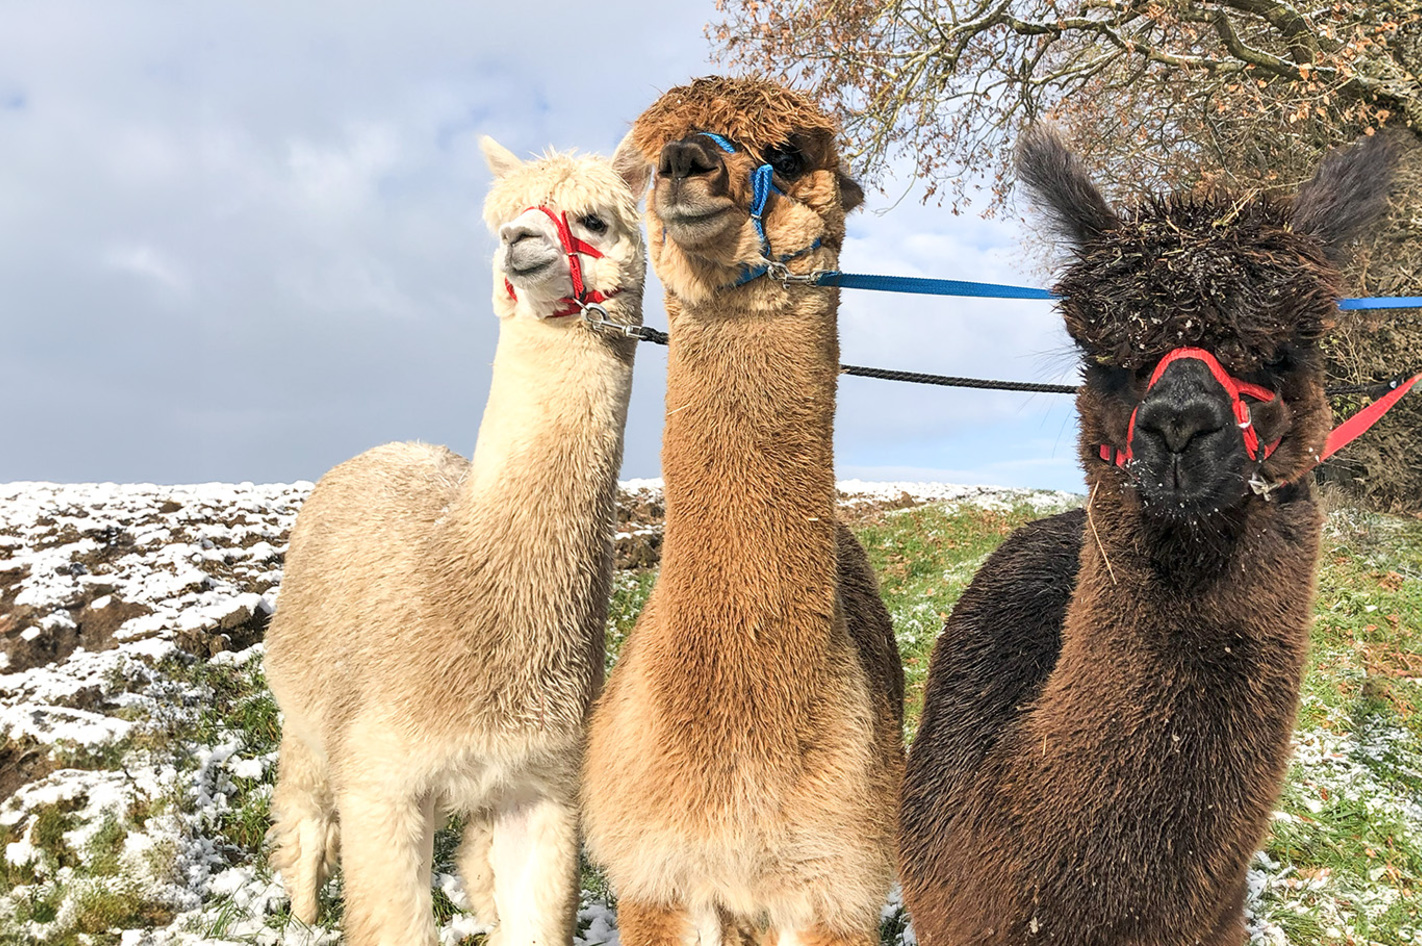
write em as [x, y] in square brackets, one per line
[139, 736]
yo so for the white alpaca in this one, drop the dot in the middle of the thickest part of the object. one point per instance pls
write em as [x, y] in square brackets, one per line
[440, 631]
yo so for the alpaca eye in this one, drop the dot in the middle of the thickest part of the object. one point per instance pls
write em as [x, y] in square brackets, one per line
[595, 224]
[787, 161]
[1282, 362]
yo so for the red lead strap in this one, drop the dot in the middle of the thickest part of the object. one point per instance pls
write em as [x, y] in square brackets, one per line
[572, 246]
[1233, 387]
[1353, 428]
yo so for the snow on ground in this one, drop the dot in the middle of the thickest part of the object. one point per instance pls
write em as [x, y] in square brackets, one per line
[128, 612]
[855, 492]
[104, 589]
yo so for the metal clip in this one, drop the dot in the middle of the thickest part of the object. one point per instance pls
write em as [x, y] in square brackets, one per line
[1262, 487]
[605, 325]
[777, 270]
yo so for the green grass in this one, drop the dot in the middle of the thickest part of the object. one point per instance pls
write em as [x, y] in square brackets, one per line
[1351, 832]
[629, 595]
[925, 557]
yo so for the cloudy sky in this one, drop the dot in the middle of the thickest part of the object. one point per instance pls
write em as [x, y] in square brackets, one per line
[242, 241]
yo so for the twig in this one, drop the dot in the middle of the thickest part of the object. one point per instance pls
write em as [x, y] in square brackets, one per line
[1096, 535]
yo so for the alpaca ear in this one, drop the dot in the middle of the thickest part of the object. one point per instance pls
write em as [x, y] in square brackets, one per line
[1348, 193]
[501, 160]
[1060, 186]
[631, 166]
[851, 195]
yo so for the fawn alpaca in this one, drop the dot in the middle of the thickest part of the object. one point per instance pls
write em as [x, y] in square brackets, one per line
[744, 760]
[440, 631]
[1109, 708]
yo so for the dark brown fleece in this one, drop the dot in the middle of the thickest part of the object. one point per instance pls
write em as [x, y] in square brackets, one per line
[1117, 769]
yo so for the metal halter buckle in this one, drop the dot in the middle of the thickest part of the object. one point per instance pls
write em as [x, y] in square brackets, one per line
[604, 325]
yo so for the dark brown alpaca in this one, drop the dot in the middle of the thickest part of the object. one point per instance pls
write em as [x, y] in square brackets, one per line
[1109, 709]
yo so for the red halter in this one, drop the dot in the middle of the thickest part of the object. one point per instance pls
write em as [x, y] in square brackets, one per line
[1233, 387]
[1342, 435]
[572, 246]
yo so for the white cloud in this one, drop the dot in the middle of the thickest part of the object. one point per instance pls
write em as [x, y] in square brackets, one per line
[148, 262]
[343, 178]
[302, 190]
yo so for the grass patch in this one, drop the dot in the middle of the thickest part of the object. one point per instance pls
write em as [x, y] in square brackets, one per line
[105, 847]
[103, 908]
[102, 757]
[629, 595]
[925, 557]
[1348, 843]
[51, 823]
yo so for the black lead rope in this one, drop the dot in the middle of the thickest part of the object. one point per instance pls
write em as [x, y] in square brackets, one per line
[947, 381]
[644, 333]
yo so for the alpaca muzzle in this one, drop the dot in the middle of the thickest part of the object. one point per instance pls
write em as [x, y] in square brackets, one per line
[689, 157]
[1178, 423]
[692, 153]
[573, 248]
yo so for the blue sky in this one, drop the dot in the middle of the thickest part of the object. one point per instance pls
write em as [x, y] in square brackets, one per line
[242, 241]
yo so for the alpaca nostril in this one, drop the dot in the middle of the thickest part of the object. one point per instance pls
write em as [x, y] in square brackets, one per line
[1177, 425]
[512, 234]
[682, 159]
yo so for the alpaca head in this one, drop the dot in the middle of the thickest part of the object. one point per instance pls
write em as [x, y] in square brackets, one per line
[705, 142]
[1250, 280]
[536, 266]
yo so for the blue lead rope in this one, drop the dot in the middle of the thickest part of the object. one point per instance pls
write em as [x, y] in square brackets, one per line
[986, 290]
[1381, 302]
[931, 287]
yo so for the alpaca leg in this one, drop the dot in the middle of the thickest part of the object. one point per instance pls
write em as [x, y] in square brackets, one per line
[304, 834]
[534, 856]
[387, 846]
[476, 869]
[642, 924]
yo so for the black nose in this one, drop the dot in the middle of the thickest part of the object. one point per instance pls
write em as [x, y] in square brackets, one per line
[1185, 404]
[683, 159]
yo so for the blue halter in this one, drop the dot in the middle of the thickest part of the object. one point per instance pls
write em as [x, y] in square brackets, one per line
[761, 187]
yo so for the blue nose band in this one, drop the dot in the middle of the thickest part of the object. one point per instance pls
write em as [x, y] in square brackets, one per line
[762, 186]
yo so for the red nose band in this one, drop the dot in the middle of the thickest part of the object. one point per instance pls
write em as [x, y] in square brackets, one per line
[572, 246]
[1235, 388]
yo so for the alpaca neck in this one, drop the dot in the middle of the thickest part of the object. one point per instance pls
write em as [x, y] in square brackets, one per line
[1197, 576]
[522, 556]
[544, 471]
[1192, 622]
[748, 559]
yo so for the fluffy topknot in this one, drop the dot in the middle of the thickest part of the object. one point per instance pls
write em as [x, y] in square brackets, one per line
[563, 180]
[1228, 274]
[750, 112]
